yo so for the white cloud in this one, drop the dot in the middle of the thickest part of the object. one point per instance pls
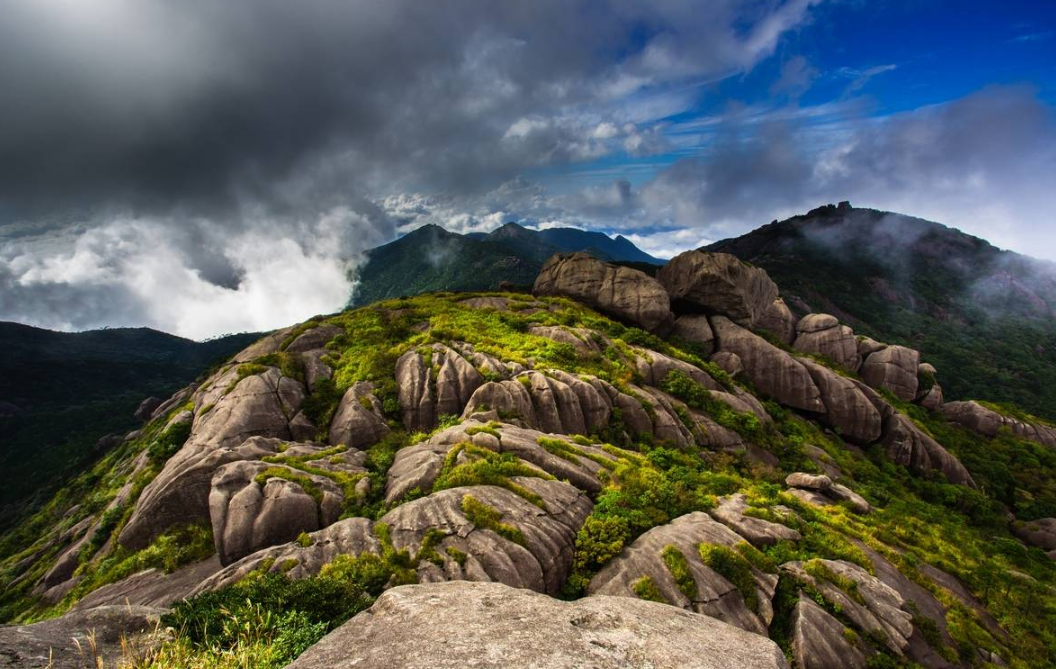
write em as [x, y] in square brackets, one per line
[135, 270]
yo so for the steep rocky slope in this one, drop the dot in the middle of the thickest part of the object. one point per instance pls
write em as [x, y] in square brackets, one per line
[985, 317]
[682, 439]
[61, 392]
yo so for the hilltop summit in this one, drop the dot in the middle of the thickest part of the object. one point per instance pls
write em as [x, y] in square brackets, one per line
[779, 481]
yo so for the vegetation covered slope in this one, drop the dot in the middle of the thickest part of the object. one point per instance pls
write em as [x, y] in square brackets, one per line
[985, 317]
[431, 258]
[60, 392]
[918, 523]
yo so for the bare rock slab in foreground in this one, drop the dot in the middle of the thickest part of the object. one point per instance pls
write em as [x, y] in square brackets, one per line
[488, 625]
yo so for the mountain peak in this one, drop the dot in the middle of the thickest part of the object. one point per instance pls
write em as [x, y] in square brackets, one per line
[512, 229]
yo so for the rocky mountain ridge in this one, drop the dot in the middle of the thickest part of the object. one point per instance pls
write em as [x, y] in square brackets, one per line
[683, 439]
[62, 393]
[984, 316]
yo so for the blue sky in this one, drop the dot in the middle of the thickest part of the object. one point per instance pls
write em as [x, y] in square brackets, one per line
[249, 151]
[880, 58]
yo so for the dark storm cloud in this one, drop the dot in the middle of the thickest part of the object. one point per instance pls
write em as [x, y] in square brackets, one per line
[206, 166]
[195, 104]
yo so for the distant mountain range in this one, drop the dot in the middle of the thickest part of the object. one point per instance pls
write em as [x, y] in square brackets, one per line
[60, 392]
[985, 317]
[432, 258]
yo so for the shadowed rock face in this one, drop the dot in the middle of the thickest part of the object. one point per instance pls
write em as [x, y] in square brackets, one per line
[893, 368]
[908, 445]
[492, 626]
[823, 334]
[846, 408]
[620, 292]
[877, 608]
[718, 283]
[771, 370]
[695, 329]
[818, 640]
[1040, 533]
[779, 320]
[987, 422]
[258, 405]
[539, 560]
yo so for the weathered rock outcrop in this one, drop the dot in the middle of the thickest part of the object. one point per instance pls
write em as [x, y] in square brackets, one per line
[539, 559]
[695, 329]
[146, 409]
[434, 381]
[358, 421]
[757, 531]
[580, 339]
[819, 640]
[823, 334]
[531, 547]
[418, 466]
[847, 409]
[778, 319]
[713, 594]
[1040, 533]
[929, 607]
[254, 504]
[820, 490]
[561, 403]
[152, 587]
[771, 370]
[654, 368]
[718, 283]
[258, 405]
[987, 422]
[63, 643]
[893, 368]
[620, 292]
[491, 626]
[313, 338]
[877, 609]
[352, 536]
[908, 445]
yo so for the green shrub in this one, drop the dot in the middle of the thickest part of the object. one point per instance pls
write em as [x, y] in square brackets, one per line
[489, 468]
[733, 567]
[170, 441]
[487, 518]
[646, 588]
[679, 567]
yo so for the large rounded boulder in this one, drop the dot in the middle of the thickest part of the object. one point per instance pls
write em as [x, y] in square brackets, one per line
[718, 283]
[893, 368]
[620, 292]
[492, 626]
